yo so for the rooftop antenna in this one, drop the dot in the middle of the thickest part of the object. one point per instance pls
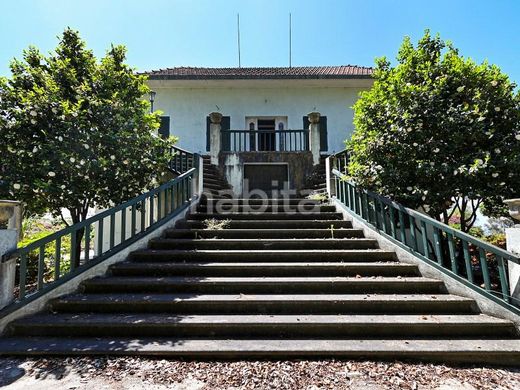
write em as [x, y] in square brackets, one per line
[290, 41]
[238, 36]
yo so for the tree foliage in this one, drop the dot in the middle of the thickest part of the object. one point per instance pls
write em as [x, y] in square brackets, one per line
[75, 131]
[438, 131]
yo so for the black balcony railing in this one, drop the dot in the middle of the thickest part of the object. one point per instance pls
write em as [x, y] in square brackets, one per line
[265, 140]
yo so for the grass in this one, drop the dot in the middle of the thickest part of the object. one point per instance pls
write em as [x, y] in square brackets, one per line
[216, 224]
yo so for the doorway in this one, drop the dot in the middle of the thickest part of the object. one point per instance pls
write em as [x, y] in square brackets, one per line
[266, 135]
[270, 179]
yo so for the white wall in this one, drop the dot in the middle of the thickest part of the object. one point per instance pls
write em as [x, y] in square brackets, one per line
[188, 108]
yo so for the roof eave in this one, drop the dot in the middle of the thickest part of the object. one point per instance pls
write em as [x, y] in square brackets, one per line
[274, 77]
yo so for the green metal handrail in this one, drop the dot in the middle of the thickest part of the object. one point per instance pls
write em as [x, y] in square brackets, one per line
[476, 263]
[340, 161]
[182, 160]
[136, 218]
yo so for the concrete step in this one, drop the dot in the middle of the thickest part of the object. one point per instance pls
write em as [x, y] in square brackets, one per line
[445, 350]
[311, 191]
[207, 194]
[337, 255]
[274, 224]
[213, 179]
[263, 285]
[217, 190]
[261, 325]
[254, 216]
[258, 244]
[319, 185]
[267, 201]
[265, 303]
[226, 208]
[263, 233]
[216, 184]
[263, 269]
[216, 187]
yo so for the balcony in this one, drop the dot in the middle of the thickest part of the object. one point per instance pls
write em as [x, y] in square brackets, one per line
[237, 141]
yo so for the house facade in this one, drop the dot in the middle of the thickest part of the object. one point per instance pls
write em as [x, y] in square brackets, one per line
[253, 120]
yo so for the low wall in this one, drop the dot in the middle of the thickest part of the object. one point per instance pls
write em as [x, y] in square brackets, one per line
[231, 166]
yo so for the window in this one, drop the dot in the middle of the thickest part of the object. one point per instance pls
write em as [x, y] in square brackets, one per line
[164, 128]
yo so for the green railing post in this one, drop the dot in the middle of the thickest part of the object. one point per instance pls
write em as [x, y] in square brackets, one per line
[23, 275]
[402, 227]
[123, 225]
[424, 234]
[73, 251]
[152, 201]
[438, 246]
[467, 261]
[392, 221]
[484, 268]
[504, 285]
[112, 231]
[133, 220]
[57, 259]
[87, 242]
[383, 215]
[100, 227]
[413, 233]
[41, 267]
[453, 255]
[143, 216]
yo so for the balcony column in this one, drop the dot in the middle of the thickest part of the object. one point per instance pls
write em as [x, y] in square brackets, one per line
[513, 245]
[10, 230]
[314, 135]
[215, 136]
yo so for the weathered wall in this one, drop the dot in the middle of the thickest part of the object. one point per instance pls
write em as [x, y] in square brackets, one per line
[188, 106]
[231, 166]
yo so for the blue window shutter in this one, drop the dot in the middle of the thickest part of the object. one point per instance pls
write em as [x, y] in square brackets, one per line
[164, 128]
[324, 141]
[208, 122]
[306, 124]
[226, 125]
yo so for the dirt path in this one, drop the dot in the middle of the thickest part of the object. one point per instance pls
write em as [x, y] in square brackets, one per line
[157, 374]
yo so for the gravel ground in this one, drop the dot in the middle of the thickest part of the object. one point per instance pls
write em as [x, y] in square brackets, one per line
[142, 373]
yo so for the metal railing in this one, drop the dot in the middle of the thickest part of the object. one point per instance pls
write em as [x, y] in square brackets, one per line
[181, 161]
[49, 262]
[340, 161]
[479, 265]
[265, 140]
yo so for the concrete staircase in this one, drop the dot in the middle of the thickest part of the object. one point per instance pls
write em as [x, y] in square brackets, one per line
[316, 182]
[215, 185]
[277, 280]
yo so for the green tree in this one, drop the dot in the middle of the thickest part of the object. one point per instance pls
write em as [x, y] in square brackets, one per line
[438, 131]
[75, 131]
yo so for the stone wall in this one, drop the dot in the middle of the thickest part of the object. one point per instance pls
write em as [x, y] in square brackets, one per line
[231, 165]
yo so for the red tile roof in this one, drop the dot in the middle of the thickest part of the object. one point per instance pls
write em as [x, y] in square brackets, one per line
[296, 72]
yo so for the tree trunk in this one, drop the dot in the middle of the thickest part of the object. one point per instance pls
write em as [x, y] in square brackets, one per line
[463, 221]
[77, 216]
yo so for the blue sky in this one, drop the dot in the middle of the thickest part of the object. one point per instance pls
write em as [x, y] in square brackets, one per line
[161, 33]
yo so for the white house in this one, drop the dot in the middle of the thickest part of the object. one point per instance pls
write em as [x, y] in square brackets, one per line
[264, 115]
